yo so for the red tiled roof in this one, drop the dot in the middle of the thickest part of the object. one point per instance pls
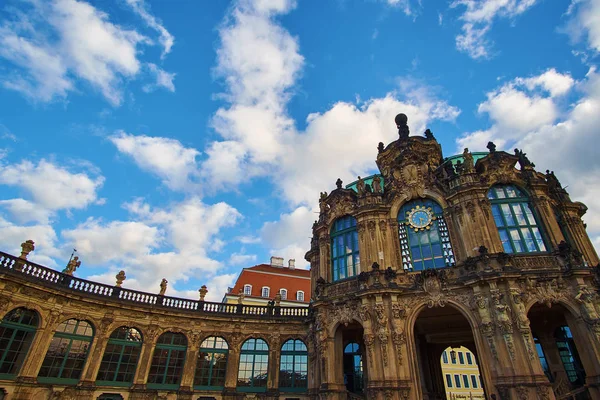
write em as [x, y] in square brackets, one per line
[275, 278]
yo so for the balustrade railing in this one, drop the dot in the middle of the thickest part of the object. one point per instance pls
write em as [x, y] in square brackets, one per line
[40, 274]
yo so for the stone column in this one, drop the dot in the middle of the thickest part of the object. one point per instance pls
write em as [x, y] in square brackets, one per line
[191, 358]
[94, 358]
[233, 364]
[141, 375]
[273, 368]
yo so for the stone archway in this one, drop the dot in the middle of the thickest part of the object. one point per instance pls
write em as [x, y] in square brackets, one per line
[559, 338]
[436, 329]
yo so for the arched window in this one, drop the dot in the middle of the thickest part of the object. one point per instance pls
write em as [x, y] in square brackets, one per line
[266, 291]
[569, 356]
[516, 223]
[345, 258]
[67, 353]
[17, 330]
[212, 364]
[248, 290]
[120, 357]
[300, 295]
[293, 370]
[542, 357]
[353, 368]
[167, 362]
[424, 238]
[283, 293]
[254, 361]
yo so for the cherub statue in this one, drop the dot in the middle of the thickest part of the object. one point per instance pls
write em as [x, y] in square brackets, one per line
[72, 266]
[163, 287]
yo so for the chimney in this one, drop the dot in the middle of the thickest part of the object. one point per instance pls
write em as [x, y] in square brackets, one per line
[277, 262]
[292, 263]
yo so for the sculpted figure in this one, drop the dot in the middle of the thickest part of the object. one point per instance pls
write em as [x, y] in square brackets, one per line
[468, 163]
[72, 266]
[163, 287]
[377, 184]
[585, 298]
[360, 186]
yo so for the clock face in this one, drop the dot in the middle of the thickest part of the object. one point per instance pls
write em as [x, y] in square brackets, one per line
[420, 218]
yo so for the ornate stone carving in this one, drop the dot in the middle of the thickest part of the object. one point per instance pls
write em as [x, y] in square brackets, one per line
[372, 225]
[369, 340]
[432, 281]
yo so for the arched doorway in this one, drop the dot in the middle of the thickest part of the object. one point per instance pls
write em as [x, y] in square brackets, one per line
[439, 331]
[561, 350]
[351, 351]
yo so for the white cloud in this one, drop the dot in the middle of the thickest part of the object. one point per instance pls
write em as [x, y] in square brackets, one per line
[520, 106]
[408, 7]
[167, 158]
[242, 259]
[163, 79]
[44, 236]
[51, 186]
[565, 145]
[61, 40]
[478, 18]
[584, 22]
[170, 242]
[24, 211]
[166, 39]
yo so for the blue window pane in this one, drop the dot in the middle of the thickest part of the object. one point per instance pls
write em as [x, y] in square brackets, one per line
[519, 215]
[497, 215]
[538, 238]
[437, 250]
[505, 241]
[516, 239]
[507, 214]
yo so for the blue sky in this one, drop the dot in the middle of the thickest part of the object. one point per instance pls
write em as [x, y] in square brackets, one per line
[189, 139]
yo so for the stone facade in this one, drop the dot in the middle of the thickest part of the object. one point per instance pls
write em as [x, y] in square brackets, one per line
[486, 299]
[377, 325]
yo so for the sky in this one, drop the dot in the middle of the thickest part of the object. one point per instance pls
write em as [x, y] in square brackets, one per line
[188, 139]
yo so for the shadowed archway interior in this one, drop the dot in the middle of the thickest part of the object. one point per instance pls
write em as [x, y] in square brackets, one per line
[436, 329]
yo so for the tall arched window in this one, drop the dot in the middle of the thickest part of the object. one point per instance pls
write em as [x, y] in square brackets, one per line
[293, 370]
[345, 257]
[167, 362]
[17, 330]
[569, 356]
[212, 364]
[67, 353]
[516, 223]
[120, 357]
[254, 361]
[424, 239]
[353, 368]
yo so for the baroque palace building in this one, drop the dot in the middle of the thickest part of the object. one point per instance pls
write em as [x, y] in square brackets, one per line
[477, 252]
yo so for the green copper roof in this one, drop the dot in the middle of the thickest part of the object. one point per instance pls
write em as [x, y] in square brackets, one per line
[368, 180]
[459, 157]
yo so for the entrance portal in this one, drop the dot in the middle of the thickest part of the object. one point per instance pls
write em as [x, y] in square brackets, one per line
[444, 334]
[555, 335]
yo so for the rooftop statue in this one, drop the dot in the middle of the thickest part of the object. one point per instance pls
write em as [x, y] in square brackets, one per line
[401, 123]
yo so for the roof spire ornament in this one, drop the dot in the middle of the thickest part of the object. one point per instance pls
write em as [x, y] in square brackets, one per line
[339, 183]
[491, 147]
[401, 122]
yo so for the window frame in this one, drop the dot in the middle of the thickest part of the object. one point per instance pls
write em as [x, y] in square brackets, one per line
[466, 382]
[449, 382]
[124, 343]
[445, 357]
[170, 348]
[293, 353]
[474, 384]
[523, 203]
[251, 388]
[71, 337]
[262, 291]
[28, 329]
[469, 358]
[350, 241]
[298, 293]
[211, 351]
[246, 291]
[461, 358]
[457, 382]
[283, 293]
